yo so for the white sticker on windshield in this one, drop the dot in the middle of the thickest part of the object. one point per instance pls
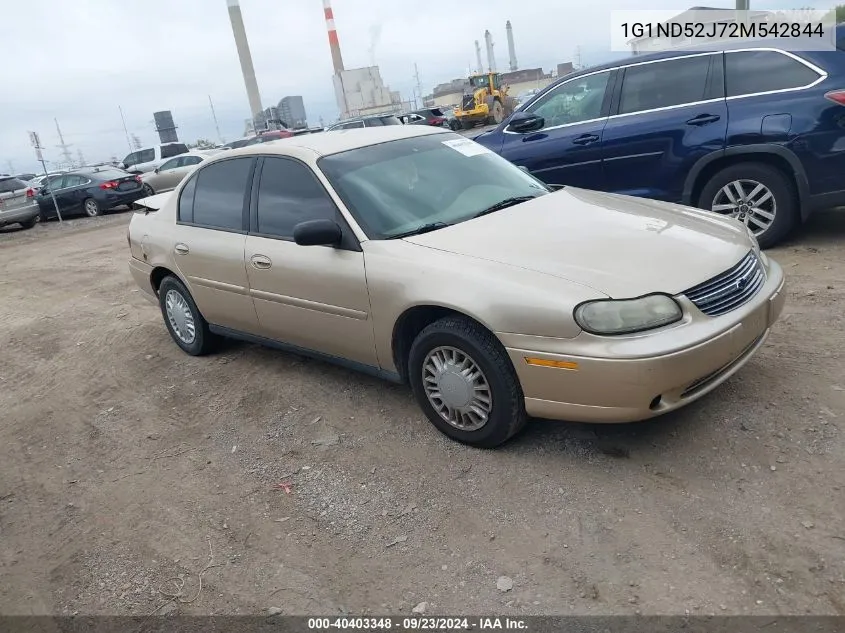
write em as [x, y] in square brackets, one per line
[467, 147]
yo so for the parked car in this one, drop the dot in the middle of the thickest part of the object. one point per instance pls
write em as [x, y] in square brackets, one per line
[171, 172]
[241, 142]
[25, 177]
[367, 121]
[428, 116]
[17, 203]
[752, 132]
[417, 255]
[148, 158]
[90, 192]
[269, 135]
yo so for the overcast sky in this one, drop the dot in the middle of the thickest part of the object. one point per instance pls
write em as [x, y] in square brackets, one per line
[78, 61]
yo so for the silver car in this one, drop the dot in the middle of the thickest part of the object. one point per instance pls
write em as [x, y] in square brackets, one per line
[166, 176]
[17, 203]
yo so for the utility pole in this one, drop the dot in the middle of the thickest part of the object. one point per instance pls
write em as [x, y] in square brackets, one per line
[214, 116]
[419, 85]
[125, 129]
[136, 141]
[80, 157]
[63, 146]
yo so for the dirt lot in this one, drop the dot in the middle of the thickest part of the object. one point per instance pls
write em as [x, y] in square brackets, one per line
[125, 463]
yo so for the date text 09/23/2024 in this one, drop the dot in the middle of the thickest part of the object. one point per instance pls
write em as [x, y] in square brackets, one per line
[417, 623]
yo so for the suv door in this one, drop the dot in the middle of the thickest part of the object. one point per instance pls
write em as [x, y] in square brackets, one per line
[208, 242]
[665, 115]
[314, 297]
[567, 150]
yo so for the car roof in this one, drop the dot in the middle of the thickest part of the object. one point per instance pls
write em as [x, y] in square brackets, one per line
[334, 141]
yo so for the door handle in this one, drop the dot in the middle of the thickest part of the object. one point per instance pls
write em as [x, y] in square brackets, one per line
[181, 249]
[585, 139]
[260, 261]
[703, 119]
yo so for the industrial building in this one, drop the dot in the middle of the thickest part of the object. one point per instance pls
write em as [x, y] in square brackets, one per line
[292, 112]
[358, 91]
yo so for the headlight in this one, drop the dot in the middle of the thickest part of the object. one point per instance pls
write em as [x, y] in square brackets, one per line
[626, 316]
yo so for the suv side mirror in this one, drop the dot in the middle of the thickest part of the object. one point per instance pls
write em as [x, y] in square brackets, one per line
[525, 122]
[317, 233]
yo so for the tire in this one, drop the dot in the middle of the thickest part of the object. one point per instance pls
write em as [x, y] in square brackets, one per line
[497, 113]
[454, 125]
[467, 124]
[91, 208]
[782, 204]
[506, 414]
[29, 223]
[148, 191]
[171, 289]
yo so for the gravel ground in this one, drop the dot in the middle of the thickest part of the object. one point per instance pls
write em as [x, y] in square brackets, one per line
[129, 470]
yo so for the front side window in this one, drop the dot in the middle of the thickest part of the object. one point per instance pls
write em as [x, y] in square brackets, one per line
[74, 181]
[750, 72]
[57, 183]
[220, 191]
[131, 159]
[397, 187]
[173, 163]
[574, 101]
[289, 193]
[663, 84]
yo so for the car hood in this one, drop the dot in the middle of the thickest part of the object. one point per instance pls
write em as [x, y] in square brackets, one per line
[620, 246]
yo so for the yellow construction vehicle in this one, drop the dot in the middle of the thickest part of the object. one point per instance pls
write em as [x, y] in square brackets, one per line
[487, 103]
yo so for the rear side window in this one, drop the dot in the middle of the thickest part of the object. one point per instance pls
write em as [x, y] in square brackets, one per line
[663, 84]
[220, 192]
[11, 184]
[146, 156]
[289, 193]
[186, 201]
[750, 72]
[168, 151]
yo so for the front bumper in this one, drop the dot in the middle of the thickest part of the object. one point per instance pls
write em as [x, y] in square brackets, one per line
[630, 384]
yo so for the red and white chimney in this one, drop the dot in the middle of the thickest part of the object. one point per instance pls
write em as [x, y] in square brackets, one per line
[337, 59]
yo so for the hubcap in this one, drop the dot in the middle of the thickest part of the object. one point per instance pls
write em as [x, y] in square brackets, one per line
[91, 207]
[748, 201]
[180, 316]
[457, 388]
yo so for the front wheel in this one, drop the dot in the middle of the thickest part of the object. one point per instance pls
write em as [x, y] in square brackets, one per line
[465, 383]
[760, 196]
[186, 325]
[92, 208]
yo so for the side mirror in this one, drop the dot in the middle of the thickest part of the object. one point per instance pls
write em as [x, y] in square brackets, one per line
[122, 165]
[525, 122]
[317, 233]
[157, 169]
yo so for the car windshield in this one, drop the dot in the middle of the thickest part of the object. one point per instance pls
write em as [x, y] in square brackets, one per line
[398, 187]
[481, 81]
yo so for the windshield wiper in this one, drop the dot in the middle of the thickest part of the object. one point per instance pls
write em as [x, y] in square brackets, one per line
[504, 204]
[425, 228]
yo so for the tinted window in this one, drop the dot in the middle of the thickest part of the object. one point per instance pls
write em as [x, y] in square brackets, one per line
[75, 181]
[11, 184]
[572, 102]
[190, 160]
[663, 84]
[760, 71]
[57, 183]
[131, 159]
[289, 193]
[173, 163]
[146, 155]
[173, 150]
[186, 201]
[219, 198]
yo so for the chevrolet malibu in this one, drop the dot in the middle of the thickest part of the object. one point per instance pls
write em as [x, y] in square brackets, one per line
[417, 255]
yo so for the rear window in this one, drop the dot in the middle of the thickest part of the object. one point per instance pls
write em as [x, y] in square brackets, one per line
[11, 184]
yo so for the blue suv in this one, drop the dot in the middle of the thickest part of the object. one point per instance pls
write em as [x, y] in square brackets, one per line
[757, 133]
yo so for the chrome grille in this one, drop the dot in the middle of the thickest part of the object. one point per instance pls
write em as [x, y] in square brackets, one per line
[731, 289]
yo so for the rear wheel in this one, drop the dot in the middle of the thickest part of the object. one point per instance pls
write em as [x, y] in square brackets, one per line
[182, 318]
[29, 223]
[148, 191]
[760, 196]
[465, 383]
[91, 207]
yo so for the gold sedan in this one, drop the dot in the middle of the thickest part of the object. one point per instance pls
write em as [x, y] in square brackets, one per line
[417, 255]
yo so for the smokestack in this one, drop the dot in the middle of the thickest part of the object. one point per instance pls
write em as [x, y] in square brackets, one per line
[334, 45]
[511, 47]
[491, 58]
[480, 67]
[245, 57]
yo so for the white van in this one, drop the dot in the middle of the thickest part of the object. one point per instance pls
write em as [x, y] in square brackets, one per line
[148, 158]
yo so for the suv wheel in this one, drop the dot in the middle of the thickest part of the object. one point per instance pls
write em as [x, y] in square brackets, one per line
[465, 383]
[186, 325]
[758, 195]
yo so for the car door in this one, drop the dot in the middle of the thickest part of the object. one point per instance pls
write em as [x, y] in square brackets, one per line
[55, 190]
[313, 297]
[567, 149]
[74, 192]
[208, 242]
[665, 116]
